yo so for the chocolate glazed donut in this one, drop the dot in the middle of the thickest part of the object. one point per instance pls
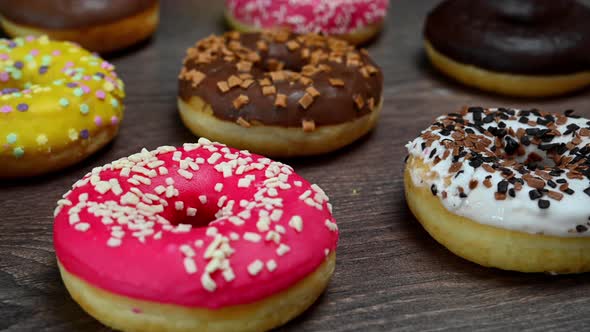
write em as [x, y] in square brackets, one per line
[289, 82]
[522, 37]
[516, 36]
[103, 25]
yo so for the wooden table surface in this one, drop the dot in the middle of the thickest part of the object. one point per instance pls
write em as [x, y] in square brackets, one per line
[390, 275]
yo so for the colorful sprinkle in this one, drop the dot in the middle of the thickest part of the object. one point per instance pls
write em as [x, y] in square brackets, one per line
[41, 139]
[6, 109]
[64, 102]
[114, 120]
[115, 102]
[84, 109]
[73, 134]
[78, 92]
[18, 152]
[11, 138]
[98, 121]
[100, 94]
[22, 107]
[84, 134]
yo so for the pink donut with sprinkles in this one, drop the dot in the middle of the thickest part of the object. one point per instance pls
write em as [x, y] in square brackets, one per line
[354, 20]
[200, 237]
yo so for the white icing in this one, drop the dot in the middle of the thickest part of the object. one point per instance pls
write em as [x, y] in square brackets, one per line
[518, 213]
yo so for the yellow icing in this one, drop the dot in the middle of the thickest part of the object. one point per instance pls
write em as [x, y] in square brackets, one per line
[48, 112]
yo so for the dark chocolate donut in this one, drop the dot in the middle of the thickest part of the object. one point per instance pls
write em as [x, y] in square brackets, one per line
[281, 79]
[66, 14]
[534, 37]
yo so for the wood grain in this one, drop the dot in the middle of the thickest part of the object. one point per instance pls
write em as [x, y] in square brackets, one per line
[390, 274]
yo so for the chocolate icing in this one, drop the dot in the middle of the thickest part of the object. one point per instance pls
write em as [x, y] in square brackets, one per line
[65, 14]
[334, 105]
[536, 37]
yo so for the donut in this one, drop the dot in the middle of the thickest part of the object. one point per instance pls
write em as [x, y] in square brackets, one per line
[356, 21]
[526, 48]
[505, 188]
[200, 237]
[58, 104]
[100, 26]
[279, 94]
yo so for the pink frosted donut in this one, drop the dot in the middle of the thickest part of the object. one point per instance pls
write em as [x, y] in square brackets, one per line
[354, 20]
[202, 237]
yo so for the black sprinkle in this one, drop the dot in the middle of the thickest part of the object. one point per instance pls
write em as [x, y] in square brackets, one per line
[544, 204]
[433, 189]
[503, 186]
[581, 228]
[587, 191]
[535, 194]
[432, 153]
[511, 192]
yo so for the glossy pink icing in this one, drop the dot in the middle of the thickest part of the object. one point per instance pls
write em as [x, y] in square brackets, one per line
[157, 260]
[305, 16]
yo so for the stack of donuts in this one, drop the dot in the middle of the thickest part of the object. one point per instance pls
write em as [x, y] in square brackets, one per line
[217, 236]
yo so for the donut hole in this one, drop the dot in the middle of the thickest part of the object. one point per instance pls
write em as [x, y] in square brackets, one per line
[190, 211]
[531, 156]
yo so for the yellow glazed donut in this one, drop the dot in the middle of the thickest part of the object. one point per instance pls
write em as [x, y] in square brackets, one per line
[58, 104]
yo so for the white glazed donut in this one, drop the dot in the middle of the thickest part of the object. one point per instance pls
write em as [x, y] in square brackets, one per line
[505, 188]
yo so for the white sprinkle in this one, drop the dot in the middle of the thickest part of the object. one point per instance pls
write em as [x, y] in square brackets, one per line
[176, 156]
[102, 187]
[83, 197]
[187, 250]
[203, 199]
[160, 190]
[189, 265]
[273, 236]
[115, 186]
[82, 227]
[208, 283]
[329, 207]
[74, 218]
[326, 251]
[129, 198]
[236, 220]
[162, 170]
[305, 195]
[199, 243]
[211, 231]
[272, 192]
[297, 223]
[234, 236]
[214, 158]
[244, 183]
[184, 164]
[271, 265]
[185, 174]
[283, 249]
[218, 187]
[228, 275]
[182, 228]
[255, 267]
[221, 201]
[191, 212]
[114, 242]
[179, 205]
[331, 225]
[276, 215]
[280, 229]
[125, 172]
[203, 141]
[297, 183]
[169, 181]
[158, 235]
[252, 237]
